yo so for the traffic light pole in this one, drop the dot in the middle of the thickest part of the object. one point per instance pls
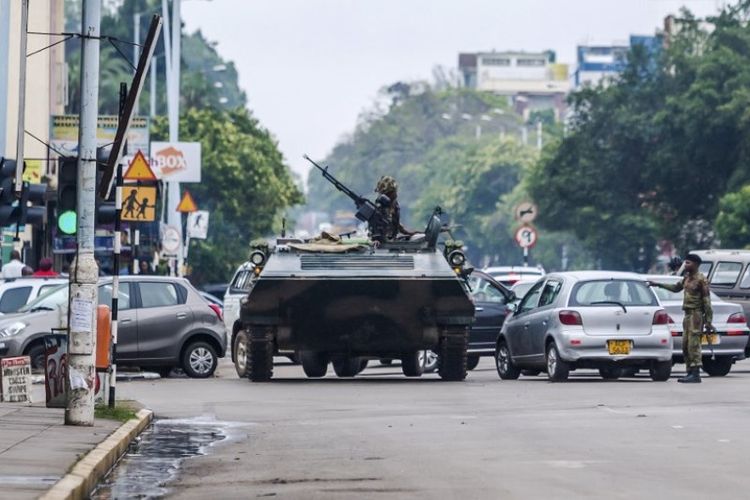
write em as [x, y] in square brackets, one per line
[20, 134]
[81, 379]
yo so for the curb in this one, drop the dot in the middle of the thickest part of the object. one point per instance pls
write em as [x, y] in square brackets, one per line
[88, 471]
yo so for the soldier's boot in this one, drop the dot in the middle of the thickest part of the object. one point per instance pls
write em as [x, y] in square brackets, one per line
[693, 376]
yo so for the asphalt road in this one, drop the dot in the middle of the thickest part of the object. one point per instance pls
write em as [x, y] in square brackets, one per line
[383, 436]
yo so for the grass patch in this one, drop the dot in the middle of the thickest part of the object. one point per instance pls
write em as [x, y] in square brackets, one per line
[122, 412]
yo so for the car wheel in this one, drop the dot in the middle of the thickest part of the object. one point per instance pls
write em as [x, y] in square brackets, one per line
[610, 373]
[411, 364]
[557, 369]
[240, 354]
[346, 367]
[530, 373]
[36, 353]
[660, 371]
[386, 362]
[199, 360]
[718, 367]
[506, 369]
[472, 362]
[315, 364]
[429, 361]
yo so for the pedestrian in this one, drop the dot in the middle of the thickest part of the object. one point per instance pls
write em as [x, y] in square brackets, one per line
[45, 269]
[14, 268]
[144, 268]
[696, 304]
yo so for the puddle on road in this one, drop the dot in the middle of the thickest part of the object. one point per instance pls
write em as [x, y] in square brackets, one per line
[154, 460]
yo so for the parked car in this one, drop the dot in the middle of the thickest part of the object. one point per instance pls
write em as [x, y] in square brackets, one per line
[510, 275]
[216, 289]
[17, 292]
[590, 319]
[213, 300]
[729, 321]
[163, 323]
[728, 273]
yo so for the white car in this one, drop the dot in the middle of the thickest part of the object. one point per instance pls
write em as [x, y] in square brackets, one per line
[238, 288]
[510, 275]
[17, 292]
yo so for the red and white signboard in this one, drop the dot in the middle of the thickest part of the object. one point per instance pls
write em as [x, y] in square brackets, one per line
[176, 161]
[526, 237]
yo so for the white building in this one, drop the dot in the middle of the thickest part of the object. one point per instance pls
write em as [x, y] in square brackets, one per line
[531, 80]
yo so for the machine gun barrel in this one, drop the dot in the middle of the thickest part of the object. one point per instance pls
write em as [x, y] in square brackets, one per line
[359, 200]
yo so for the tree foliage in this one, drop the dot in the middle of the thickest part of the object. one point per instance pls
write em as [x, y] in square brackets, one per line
[648, 156]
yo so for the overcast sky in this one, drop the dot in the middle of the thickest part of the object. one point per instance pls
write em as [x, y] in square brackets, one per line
[309, 67]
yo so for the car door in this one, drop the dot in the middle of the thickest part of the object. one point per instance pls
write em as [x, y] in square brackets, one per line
[163, 318]
[490, 312]
[518, 327]
[127, 324]
[540, 318]
[237, 290]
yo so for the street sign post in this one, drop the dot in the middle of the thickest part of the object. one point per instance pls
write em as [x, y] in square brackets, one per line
[525, 212]
[526, 237]
[197, 225]
[138, 203]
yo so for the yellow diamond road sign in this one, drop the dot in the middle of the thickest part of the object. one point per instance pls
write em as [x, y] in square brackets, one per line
[138, 204]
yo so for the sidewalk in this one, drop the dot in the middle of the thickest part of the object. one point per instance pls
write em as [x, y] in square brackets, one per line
[37, 449]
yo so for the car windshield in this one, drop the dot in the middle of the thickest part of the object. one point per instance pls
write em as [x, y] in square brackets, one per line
[49, 300]
[612, 292]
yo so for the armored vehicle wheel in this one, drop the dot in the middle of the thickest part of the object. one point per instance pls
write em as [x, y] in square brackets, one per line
[363, 364]
[452, 359]
[315, 364]
[259, 355]
[347, 367]
[412, 364]
[718, 367]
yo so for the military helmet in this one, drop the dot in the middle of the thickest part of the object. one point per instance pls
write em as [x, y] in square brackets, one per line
[386, 184]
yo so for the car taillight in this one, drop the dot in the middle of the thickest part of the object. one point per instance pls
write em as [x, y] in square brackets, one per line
[662, 318]
[570, 318]
[737, 318]
[215, 308]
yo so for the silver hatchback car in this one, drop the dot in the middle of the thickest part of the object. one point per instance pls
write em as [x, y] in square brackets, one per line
[589, 319]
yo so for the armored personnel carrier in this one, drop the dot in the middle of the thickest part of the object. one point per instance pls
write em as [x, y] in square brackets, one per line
[339, 302]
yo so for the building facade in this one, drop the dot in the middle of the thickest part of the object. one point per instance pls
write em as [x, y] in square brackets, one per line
[531, 80]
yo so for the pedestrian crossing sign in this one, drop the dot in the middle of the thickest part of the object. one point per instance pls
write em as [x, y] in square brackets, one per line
[139, 169]
[138, 203]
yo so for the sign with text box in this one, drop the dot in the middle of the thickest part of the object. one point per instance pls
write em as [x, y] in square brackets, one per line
[176, 161]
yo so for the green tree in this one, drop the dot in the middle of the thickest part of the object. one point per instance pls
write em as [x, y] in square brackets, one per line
[733, 221]
[245, 185]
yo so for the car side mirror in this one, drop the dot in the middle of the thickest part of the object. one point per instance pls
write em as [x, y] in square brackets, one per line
[512, 307]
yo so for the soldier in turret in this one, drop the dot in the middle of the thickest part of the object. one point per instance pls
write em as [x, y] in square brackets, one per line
[388, 186]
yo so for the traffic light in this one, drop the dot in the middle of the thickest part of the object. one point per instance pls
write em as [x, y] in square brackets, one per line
[15, 210]
[105, 209]
[67, 194]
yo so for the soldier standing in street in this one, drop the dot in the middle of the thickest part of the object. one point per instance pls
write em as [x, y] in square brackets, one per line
[698, 315]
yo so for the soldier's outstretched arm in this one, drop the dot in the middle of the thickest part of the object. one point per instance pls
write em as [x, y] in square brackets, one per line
[677, 287]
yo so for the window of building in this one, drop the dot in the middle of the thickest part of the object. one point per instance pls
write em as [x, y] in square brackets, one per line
[496, 61]
[530, 62]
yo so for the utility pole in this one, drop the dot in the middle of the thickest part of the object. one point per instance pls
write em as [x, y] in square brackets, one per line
[81, 379]
[539, 135]
[20, 134]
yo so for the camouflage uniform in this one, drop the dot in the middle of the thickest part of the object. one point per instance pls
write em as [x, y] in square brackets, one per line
[388, 186]
[697, 306]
